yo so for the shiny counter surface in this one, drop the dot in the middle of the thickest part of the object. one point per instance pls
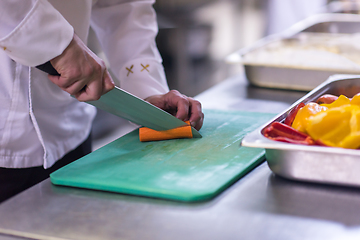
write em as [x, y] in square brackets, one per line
[258, 206]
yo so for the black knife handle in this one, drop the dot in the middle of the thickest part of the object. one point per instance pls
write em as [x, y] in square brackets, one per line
[48, 68]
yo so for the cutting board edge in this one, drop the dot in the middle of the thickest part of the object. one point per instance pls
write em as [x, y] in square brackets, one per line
[204, 196]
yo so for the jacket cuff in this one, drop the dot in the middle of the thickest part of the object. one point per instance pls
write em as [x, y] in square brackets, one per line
[143, 78]
[42, 35]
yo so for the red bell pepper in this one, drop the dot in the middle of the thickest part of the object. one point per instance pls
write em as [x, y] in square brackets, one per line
[283, 133]
[291, 116]
[327, 99]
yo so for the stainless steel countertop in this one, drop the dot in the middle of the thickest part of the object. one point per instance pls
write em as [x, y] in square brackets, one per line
[258, 206]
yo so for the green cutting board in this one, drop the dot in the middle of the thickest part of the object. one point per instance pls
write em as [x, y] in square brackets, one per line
[182, 169]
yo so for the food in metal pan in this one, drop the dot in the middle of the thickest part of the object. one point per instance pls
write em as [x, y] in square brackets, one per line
[330, 121]
[306, 50]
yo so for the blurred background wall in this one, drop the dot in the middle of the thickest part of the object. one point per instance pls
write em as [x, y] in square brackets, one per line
[196, 35]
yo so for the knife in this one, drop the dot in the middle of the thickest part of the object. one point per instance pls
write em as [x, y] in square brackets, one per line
[123, 104]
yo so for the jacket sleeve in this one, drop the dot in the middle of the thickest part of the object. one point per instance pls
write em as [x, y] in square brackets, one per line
[126, 31]
[32, 32]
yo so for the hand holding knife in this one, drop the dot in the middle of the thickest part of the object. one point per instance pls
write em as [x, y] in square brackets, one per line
[134, 109]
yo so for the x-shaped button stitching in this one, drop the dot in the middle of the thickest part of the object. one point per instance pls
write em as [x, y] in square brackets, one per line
[129, 70]
[145, 67]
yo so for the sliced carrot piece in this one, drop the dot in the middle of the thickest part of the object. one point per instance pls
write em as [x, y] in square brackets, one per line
[147, 134]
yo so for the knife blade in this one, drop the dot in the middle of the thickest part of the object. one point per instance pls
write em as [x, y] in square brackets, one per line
[126, 105]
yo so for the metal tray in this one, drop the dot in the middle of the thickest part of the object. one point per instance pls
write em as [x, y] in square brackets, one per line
[297, 77]
[312, 163]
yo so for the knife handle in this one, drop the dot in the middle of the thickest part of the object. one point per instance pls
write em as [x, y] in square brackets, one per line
[48, 68]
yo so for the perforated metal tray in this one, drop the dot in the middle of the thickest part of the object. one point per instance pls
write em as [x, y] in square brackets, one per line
[312, 163]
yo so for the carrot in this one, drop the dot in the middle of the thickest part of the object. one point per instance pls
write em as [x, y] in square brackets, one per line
[147, 134]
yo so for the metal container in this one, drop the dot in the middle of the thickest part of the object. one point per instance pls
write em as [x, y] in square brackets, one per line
[297, 77]
[329, 165]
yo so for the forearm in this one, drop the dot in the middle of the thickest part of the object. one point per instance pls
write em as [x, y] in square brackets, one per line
[32, 32]
[12, 12]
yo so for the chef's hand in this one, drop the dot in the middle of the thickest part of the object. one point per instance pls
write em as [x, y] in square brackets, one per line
[82, 73]
[183, 107]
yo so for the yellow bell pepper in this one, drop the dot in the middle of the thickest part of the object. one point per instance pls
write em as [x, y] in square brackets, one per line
[338, 126]
[355, 100]
[342, 100]
[301, 119]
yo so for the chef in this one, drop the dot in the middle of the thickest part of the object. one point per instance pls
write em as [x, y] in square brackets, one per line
[42, 127]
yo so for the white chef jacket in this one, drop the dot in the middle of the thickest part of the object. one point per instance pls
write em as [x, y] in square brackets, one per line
[40, 123]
